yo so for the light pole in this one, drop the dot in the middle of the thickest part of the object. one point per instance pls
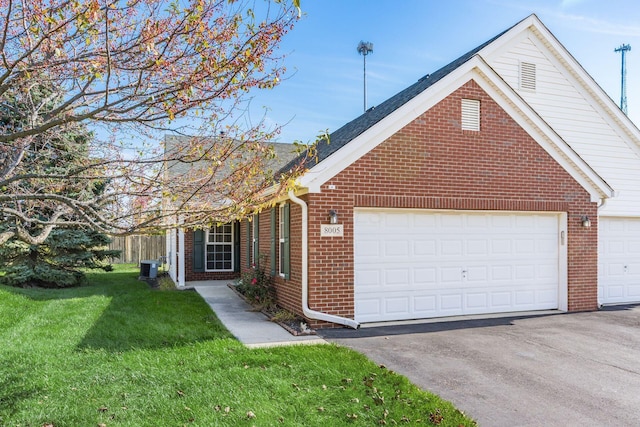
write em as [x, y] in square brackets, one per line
[365, 48]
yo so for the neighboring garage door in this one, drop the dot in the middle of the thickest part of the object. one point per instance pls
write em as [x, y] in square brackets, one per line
[618, 260]
[412, 264]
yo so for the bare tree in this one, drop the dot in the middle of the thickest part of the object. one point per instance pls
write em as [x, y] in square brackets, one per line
[132, 71]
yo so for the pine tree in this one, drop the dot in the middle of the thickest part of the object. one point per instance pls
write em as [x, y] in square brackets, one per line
[57, 262]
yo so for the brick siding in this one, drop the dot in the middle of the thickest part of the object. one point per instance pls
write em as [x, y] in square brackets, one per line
[432, 164]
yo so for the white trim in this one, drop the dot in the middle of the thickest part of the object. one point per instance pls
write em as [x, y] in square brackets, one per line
[181, 263]
[231, 244]
[527, 118]
[255, 250]
[604, 105]
[171, 251]
[304, 250]
[563, 266]
[563, 239]
[475, 69]
[281, 239]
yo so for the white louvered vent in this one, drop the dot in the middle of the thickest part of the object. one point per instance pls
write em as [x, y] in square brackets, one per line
[527, 76]
[470, 114]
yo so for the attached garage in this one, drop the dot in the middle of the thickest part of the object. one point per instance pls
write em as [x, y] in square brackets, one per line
[412, 264]
[618, 260]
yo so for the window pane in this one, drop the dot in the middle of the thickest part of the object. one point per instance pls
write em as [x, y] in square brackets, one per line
[219, 248]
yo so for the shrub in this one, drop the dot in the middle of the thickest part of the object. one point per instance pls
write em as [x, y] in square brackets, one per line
[257, 286]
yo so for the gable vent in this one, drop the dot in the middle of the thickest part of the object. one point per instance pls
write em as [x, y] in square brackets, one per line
[527, 76]
[470, 114]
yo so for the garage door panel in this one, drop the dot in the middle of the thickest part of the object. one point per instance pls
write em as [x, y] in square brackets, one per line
[457, 263]
[501, 300]
[368, 248]
[618, 260]
[396, 248]
[424, 276]
[477, 300]
[425, 304]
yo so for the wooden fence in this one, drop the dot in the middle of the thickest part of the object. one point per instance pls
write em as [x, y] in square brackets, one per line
[137, 247]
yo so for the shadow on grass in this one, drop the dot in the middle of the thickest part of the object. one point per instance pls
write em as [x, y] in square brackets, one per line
[13, 391]
[135, 316]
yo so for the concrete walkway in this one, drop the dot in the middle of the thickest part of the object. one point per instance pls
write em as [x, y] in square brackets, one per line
[251, 328]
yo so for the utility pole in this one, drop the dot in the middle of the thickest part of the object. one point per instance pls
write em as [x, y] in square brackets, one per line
[365, 48]
[623, 85]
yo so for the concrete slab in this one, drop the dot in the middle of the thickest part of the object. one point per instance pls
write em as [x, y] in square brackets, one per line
[251, 328]
[552, 370]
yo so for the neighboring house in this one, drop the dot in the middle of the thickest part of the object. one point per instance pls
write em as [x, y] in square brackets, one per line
[506, 181]
[214, 253]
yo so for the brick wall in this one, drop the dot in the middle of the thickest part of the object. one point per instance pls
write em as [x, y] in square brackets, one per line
[288, 292]
[433, 164]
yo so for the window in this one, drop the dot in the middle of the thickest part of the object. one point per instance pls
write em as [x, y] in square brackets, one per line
[470, 114]
[219, 248]
[283, 234]
[272, 242]
[255, 248]
[527, 76]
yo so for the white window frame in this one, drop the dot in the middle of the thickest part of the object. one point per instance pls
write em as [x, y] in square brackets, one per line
[255, 251]
[211, 235]
[281, 240]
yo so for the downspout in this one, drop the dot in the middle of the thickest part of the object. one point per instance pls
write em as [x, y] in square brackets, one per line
[603, 202]
[313, 314]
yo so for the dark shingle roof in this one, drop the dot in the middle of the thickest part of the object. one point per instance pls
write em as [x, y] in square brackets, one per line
[354, 128]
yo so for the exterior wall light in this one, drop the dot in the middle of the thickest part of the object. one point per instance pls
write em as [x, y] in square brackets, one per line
[333, 217]
[586, 222]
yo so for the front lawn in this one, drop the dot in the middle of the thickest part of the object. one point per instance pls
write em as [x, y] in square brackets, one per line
[116, 353]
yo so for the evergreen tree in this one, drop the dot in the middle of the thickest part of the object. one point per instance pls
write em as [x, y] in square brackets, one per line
[57, 262]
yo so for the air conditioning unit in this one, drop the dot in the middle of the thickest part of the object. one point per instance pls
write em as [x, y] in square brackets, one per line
[149, 269]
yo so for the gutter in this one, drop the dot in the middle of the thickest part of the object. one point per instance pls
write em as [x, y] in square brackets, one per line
[309, 313]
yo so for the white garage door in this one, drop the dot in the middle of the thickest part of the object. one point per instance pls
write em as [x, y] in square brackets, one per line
[618, 260]
[412, 264]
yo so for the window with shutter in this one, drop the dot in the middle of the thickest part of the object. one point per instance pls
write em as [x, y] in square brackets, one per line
[284, 241]
[256, 236]
[219, 248]
[272, 248]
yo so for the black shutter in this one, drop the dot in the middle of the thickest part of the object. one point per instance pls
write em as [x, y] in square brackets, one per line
[248, 246]
[198, 251]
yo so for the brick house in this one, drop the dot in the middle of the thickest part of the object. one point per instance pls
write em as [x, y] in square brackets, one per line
[209, 254]
[485, 187]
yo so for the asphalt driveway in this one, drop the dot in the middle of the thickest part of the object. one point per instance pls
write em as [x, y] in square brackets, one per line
[553, 370]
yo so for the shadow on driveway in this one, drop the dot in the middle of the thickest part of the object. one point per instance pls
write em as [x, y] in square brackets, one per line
[565, 369]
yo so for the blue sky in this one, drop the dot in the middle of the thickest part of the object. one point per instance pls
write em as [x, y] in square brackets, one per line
[323, 88]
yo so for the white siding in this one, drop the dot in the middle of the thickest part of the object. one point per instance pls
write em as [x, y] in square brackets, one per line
[567, 109]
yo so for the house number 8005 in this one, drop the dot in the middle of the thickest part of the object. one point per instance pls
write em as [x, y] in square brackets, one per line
[331, 230]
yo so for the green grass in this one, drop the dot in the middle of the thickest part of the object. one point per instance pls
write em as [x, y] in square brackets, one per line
[116, 353]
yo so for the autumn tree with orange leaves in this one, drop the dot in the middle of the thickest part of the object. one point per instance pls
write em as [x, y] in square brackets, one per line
[132, 72]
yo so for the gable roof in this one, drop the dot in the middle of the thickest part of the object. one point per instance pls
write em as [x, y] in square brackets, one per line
[373, 115]
[284, 153]
[430, 89]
